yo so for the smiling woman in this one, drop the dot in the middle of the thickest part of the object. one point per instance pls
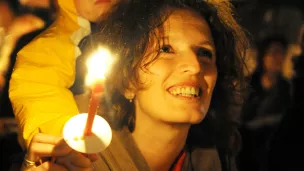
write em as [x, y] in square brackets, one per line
[185, 67]
[178, 76]
[169, 95]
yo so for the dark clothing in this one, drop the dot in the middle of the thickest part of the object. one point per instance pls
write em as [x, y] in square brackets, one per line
[261, 114]
[264, 103]
[287, 147]
[9, 149]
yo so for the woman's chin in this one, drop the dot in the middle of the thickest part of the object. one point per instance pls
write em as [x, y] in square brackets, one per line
[191, 119]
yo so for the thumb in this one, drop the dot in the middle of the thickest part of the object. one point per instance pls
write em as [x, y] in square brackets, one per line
[93, 157]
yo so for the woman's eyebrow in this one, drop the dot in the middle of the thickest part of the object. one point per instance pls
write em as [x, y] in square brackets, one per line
[165, 39]
[207, 43]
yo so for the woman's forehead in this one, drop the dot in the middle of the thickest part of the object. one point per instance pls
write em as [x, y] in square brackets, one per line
[185, 15]
[187, 22]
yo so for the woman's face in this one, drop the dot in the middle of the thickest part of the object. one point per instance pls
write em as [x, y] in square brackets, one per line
[180, 82]
[92, 10]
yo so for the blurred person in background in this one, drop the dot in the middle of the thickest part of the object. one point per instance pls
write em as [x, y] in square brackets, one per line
[268, 99]
[20, 22]
[294, 49]
[287, 146]
[12, 27]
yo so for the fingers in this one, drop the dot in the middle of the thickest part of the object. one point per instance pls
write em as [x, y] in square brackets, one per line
[48, 166]
[46, 138]
[25, 24]
[43, 145]
[93, 157]
[74, 160]
[39, 150]
[79, 160]
[36, 3]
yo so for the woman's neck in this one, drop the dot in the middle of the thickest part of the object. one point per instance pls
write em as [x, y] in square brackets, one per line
[160, 143]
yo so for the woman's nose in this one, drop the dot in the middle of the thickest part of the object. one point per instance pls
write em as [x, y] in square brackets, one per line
[190, 63]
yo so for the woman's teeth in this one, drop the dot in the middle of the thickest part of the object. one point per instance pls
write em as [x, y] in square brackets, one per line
[188, 91]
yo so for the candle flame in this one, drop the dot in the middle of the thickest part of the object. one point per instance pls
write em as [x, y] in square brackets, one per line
[98, 65]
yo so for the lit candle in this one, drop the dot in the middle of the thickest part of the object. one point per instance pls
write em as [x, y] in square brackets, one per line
[87, 132]
[98, 65]
[97, 90]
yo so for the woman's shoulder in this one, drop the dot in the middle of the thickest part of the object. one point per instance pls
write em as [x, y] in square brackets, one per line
[122, 154]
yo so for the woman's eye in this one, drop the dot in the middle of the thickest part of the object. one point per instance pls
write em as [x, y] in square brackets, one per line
[166, 49]
[202, 52]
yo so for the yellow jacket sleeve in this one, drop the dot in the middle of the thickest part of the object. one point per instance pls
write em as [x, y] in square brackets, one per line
[44, 71]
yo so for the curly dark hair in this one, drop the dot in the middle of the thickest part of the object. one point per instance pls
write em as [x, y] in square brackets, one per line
[128, 31]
